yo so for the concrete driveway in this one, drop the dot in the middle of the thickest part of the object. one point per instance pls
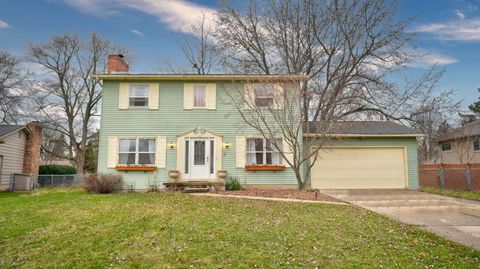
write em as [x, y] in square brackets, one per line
[453, 218]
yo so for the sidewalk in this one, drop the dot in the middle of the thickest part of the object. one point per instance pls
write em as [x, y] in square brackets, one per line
[268, 198]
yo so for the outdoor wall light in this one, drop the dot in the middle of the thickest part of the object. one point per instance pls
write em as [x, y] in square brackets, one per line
[226, 145]
[172, 145]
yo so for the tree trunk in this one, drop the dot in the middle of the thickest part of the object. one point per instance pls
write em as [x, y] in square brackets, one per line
[300, 183]
[80, 161]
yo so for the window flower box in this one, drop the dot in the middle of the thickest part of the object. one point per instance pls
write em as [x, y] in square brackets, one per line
[136, 168]
[264, 167]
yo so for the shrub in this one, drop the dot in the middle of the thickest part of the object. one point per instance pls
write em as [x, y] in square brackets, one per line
[102, 183]
[233, 184]
[55, 169]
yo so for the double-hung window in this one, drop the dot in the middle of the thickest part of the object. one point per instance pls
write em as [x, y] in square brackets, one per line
[447, 147]
[476, 145]
[264, 94]
[260, 151]
[136, 151]
[138, 95]
[199, 96]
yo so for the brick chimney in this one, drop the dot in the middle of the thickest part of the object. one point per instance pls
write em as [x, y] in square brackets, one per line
[116, 63]
[32, 149]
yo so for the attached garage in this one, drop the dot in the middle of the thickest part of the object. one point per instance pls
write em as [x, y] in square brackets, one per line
[367, 155]
[360, 168]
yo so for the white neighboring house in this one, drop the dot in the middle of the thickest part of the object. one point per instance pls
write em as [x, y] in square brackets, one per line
[461, 145]
[19, 151]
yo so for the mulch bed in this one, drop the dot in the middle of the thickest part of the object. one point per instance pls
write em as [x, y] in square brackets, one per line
[292, 194]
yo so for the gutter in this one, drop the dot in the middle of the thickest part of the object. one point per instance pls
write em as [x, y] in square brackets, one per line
[173, 77]
[365, 135]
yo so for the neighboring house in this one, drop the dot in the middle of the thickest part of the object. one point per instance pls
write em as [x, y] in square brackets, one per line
[461, 145]
[154, 123]
[19, 151]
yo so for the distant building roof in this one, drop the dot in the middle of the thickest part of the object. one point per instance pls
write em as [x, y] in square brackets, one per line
[372, 128]
[468, 130]
[7, 129]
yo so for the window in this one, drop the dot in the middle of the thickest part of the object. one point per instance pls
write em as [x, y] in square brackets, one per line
[136, 151]
[446, 147]
[261, 152]
[138, 96]
[264, 94]
[199, 96]
[476, 145]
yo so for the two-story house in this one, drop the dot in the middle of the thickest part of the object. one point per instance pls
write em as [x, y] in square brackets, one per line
[154, 123]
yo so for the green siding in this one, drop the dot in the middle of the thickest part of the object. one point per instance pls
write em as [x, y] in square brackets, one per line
[171, 120]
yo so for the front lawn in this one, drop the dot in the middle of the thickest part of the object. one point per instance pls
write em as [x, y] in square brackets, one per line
[73, 229]
[471, 195]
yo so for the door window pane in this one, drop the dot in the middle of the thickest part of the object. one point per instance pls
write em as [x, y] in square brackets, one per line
[199, 92]
[212, 156]
[199, 153]
[187, 149]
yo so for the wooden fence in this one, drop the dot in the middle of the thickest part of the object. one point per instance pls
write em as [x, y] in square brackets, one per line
[451, 176]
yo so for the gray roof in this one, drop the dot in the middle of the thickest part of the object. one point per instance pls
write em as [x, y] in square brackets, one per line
[6, 129]
[468, 130]
[366, 128]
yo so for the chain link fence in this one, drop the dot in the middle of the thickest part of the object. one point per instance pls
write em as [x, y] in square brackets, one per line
[50, 181]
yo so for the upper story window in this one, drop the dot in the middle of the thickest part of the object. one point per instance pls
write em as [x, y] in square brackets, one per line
[199, 96]
[136, 151]
[476, 145]
[260, 151]
[447, 147]
[138, 95]
[264, 94]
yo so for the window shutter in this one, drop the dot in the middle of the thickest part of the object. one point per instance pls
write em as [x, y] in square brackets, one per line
[153, 96]
[218, 153]
[160, 154]
[279, 96]
[211, 95]
[249, 96]
[288, 152]
[181, 155]
[123, 96]
[188, 96]
[240, 151]
[112, 152]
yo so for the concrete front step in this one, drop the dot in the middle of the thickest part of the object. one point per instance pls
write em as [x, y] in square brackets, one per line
[195, 190]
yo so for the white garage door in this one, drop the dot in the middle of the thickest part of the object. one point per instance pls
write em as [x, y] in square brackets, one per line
[359, 168]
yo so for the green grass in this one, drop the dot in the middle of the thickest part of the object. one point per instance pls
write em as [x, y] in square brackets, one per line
[471, 195]
[72, 229]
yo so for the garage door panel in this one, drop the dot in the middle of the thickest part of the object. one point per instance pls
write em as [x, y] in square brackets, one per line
[352, 168]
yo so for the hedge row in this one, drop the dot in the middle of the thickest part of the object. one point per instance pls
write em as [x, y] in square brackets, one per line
[55, 169]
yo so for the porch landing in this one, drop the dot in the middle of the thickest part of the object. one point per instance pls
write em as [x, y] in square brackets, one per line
[195, 185]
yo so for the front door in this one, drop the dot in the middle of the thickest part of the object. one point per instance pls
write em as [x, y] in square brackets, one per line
[201, 158]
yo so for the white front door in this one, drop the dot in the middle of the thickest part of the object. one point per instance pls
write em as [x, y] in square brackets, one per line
[201, 158]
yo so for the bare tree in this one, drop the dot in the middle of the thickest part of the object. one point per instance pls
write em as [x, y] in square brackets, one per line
[68, 98]
[13, 81]
[345, 48]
